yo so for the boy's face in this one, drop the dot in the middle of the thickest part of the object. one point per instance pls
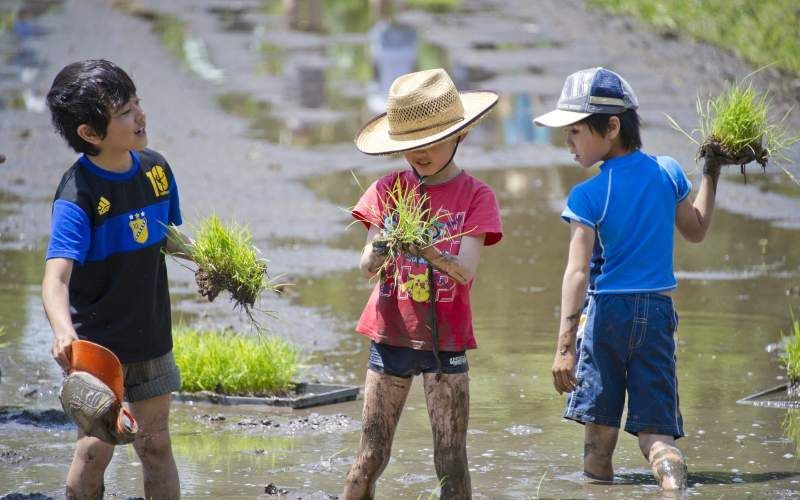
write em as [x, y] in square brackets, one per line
[126, 129]
[427, 161]
[588, 146]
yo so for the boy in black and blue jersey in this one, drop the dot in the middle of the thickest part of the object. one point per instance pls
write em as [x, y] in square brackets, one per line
[105, 275]
[619, 273]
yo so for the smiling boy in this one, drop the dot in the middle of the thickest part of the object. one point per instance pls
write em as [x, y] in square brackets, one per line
[619, 273]
[105, 277]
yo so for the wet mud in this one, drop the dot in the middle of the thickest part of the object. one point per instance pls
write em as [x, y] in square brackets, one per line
[37, 418]
[255, 110]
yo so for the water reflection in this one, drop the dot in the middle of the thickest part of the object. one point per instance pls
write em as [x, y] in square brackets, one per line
[724, 327]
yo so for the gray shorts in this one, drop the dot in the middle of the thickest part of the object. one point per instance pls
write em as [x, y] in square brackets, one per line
[148, 379]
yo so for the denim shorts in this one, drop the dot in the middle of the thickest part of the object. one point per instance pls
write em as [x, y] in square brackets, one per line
[405, 362]
[148, 379]
[628, 344]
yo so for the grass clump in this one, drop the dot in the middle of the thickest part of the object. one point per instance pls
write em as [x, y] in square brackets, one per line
[439, 6]
[791, 427]
[735, 128]
[227, 260]
[791, 356]
[234, 364]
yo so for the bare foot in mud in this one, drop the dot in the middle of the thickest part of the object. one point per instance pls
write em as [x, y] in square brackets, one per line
[669, 468]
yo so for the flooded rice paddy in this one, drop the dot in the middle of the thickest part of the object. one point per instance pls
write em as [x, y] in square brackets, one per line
[735, 296]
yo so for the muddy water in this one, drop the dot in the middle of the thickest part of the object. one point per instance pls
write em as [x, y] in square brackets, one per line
[732, 297]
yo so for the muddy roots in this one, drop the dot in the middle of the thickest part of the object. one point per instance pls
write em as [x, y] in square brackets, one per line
[211, 283]
[715, 151]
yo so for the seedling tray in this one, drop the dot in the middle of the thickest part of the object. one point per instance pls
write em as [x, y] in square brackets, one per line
[304, 396]
[775, 397]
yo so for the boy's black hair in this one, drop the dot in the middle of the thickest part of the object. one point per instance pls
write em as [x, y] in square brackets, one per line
[628, 127]
[87, 92]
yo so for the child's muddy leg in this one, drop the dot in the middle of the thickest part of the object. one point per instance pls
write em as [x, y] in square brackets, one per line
[384, 398]
[666, 460]
[598, 450]
[447, 397]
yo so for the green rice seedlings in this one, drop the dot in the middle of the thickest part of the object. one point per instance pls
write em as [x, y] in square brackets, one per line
[227, 260]
[234, 364]
[791, 357]
[791, 427]
[407, 222]
[735, 128]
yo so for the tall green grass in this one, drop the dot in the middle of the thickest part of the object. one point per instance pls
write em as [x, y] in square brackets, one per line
[760, 31]
[231, 363]
[791, 356]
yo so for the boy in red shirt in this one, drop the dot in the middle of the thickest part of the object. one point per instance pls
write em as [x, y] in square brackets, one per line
[427, 118]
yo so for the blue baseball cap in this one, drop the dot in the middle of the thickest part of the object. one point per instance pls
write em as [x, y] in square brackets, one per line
[589, 91]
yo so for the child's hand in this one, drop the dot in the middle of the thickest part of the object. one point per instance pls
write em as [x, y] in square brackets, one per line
[62, 350]
[564, 370]
[712, 167]
[380, 246]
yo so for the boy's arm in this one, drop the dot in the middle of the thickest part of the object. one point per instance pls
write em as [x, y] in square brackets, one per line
[694, 219]
[372, 258]
[55, 297]
[461, 267]
[573, 291]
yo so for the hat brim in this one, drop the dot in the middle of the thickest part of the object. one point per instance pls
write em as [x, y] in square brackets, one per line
[374, 137]
[559, 118]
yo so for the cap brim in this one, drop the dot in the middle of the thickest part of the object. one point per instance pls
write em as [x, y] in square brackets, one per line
[374, 138]
[559, 118]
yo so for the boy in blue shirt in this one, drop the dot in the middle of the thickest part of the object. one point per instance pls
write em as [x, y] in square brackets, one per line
[619, 273]
[105, 277]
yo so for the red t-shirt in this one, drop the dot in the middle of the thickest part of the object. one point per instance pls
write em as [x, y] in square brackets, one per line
[397, 311]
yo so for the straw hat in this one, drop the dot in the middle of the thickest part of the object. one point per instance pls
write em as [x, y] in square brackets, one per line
[423, 108]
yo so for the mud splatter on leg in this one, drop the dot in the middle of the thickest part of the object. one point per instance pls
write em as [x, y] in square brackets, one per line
[384, 398]
[447, 397]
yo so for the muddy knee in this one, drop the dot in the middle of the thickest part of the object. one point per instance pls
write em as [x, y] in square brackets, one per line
[153, 447]
[669, 468]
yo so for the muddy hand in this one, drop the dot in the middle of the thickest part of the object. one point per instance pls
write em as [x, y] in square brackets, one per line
[380, 246]
[2, 158]
[564, 370]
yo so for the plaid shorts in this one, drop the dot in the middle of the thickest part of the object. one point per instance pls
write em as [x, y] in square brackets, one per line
[148, 379]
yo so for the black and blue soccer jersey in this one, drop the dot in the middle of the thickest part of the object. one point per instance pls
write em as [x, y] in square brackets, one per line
[114, 226]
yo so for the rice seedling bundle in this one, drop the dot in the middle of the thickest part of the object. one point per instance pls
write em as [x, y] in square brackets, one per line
[735, 128]
[407, 221]
[227, 260]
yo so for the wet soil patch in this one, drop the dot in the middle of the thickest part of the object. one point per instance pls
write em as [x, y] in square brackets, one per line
[10, 456]
[26, 496]
[36, 418]
[313, 423]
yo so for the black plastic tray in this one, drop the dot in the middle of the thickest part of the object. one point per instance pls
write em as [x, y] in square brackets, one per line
[776, 397]
[304, 396]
